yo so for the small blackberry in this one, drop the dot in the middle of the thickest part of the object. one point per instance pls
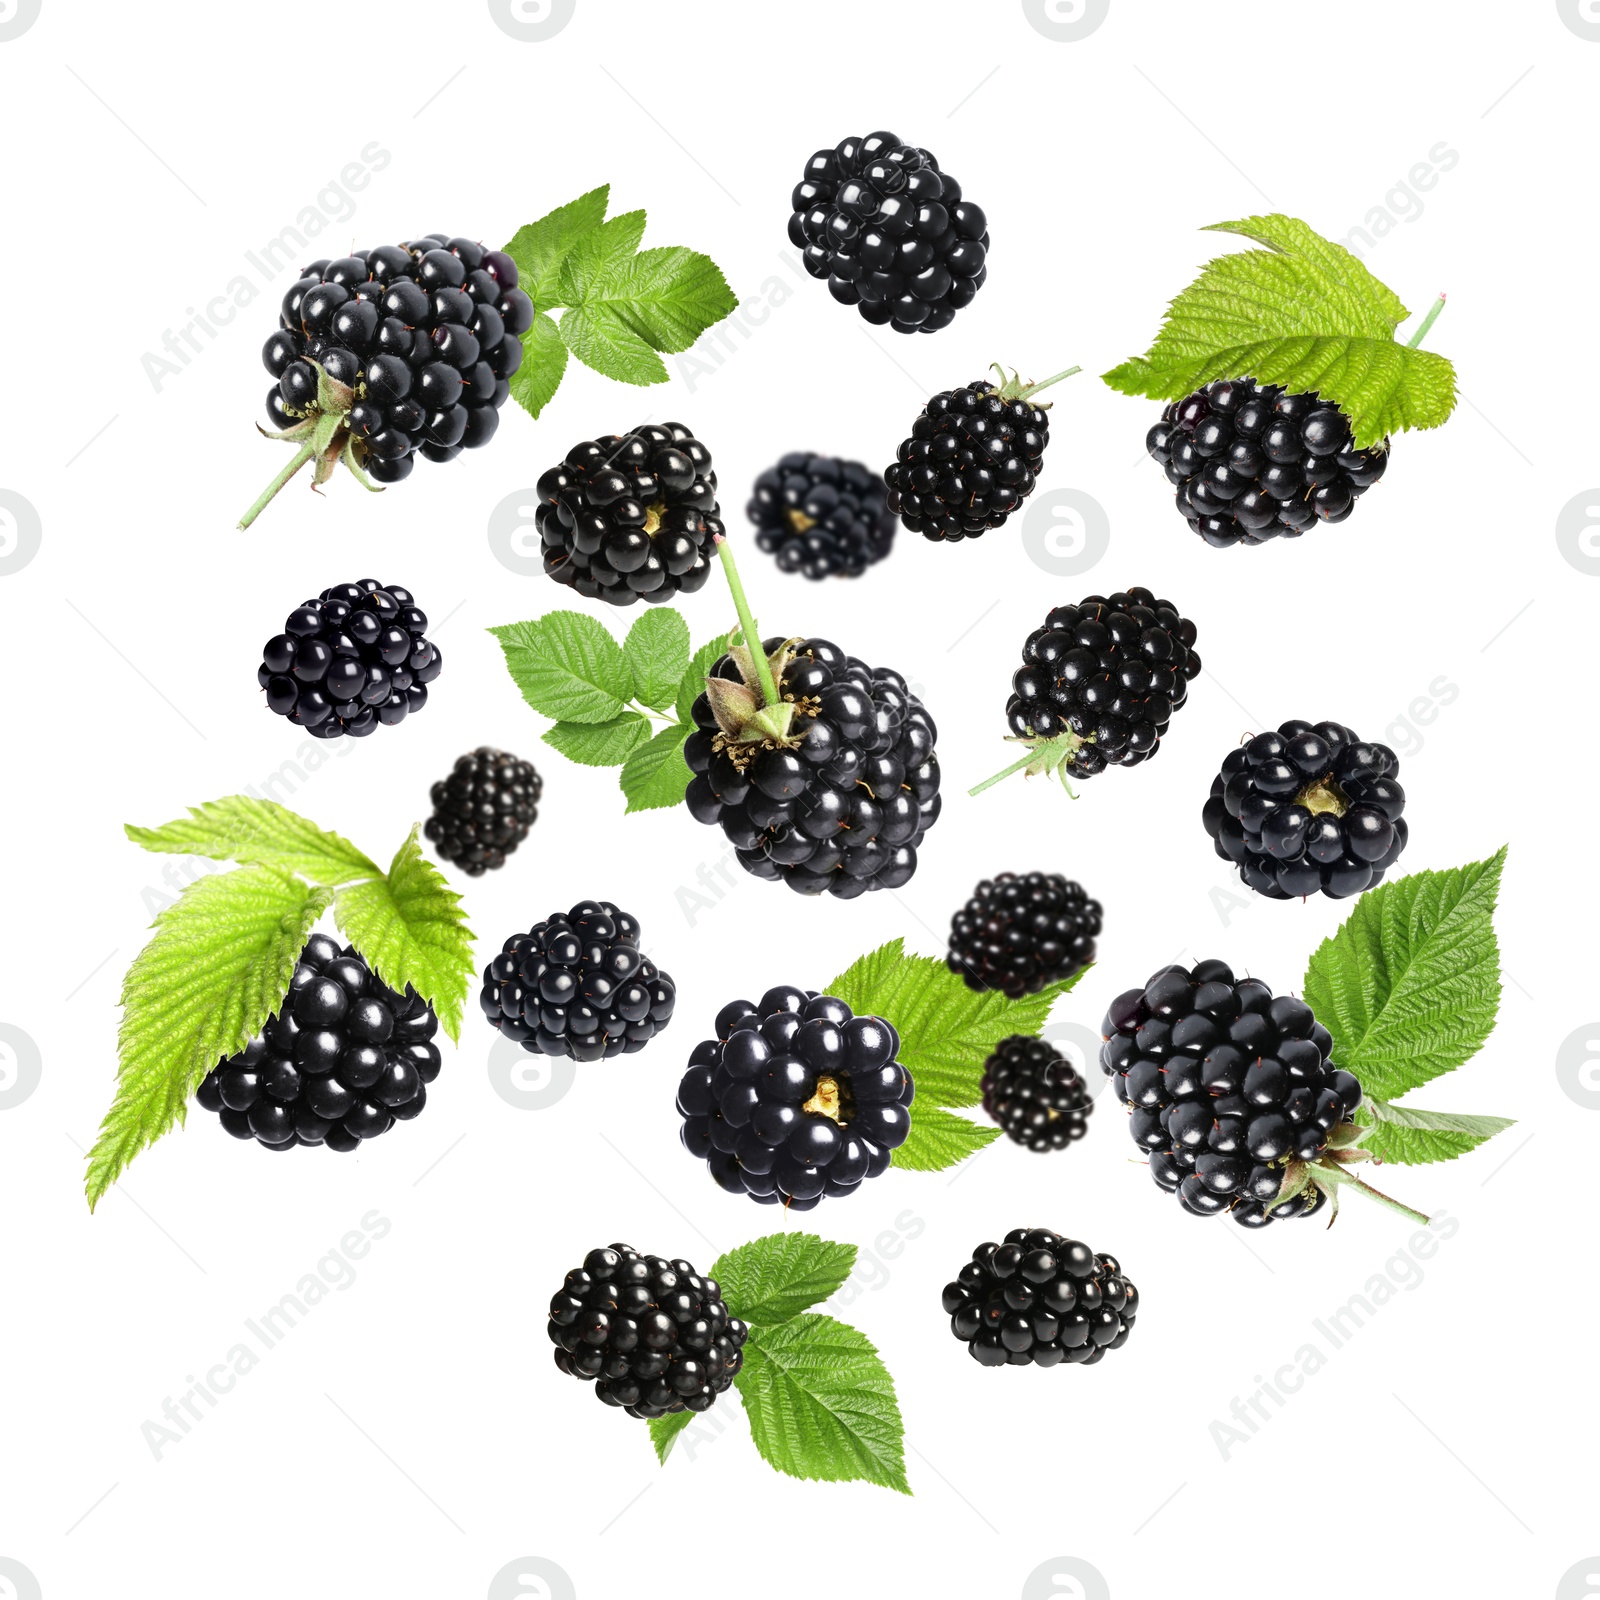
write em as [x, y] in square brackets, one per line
[652, 1335]
[576, 985]
[890, 232]
[484, 809]
[631, 516]
[1252, 463]
[973, 457]
[343, 1059]
[796, 1098]
[1039, 1300]
[821, 516]
[350, 659]
[1035, 1094]
[1309, 809]
[1018, 934]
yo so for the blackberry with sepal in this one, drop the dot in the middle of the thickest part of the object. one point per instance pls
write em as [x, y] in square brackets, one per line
[821, 516]
[484, 809]
[1035, 1094]
[1017, 934]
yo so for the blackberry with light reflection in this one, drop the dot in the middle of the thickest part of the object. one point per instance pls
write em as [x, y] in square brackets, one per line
[1035, 1094]
[484, 809]
[1019, 933]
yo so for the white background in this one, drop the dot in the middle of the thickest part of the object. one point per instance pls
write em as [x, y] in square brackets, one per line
[411, 1436]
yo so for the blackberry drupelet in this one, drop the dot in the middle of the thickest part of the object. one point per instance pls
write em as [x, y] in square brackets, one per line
[1017, 934]
[652, 1335]
[1309, 809]
[342, 1061]
[484, 809]
[796, 1098]
[821, 516]
[1252, 463]
[890, 232]
[1038, 1300]
[631, 516]
[576, 985]
[1035, 1094]
[350, 659]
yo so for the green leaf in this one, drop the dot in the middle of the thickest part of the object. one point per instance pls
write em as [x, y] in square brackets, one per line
[940, 1139]
[775, 1278]
[262, 833]
[821, 1403]
[1409, 986]
[664, 1432]
[540, 248]
[544, 364]
[567, 666]
[656, 775]
[410, 928]
[693, 682]
[600, 744]
[1409, 1136]
[657, 655]
[216, 968]
[1302, 312]
[598, 253]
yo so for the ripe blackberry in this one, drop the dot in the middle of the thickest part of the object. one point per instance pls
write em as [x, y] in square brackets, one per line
[1039, 1300]
[795, 1098]
[1308, 809]
[1035, 1094]
[821, 516]
[576, 985]
[890, 232]
[1252, 463]
[652, 1335]
[973, 457]
[350, 659]
[484, 809]
[1018, 934]
[344, 1058]
[1227, 1088]
[631, 516]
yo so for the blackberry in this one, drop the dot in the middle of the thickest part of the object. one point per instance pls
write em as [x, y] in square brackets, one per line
[350, 659]
[1039, 1300]
[652, 1335]
[1035, 1094]
[821, 516]
[631, 516]
[1018, 934]
[1230, 1090]
[1309, 809]
[344, 1059]
[1252, 463]
[796, 1098]
[973, 457]
[484, 809]
[890, 232]
[576, 985]
[409, 347]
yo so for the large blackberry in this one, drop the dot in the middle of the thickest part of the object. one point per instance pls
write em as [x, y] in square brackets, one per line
[1039, 1300]
[350, 659]
[631, 516]
[1018, 934]
[342, 1060]
[576, 985]
[890, 232]
[1035, 1094]
[1251, 462]
[1306, 809]
[652, 1335]
[795, 1098]
[484, 809]
[973, 457]
[821, 516]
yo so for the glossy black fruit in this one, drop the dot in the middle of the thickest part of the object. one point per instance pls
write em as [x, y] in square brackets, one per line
[821, 516]
[1035, 1094]
[1017, 934]
[484, 809]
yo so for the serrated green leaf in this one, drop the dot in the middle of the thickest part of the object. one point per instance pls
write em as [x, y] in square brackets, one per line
[600, 339]
[262, 833]
[656, 775]
[692, 685]
[216, 968]
[664, 1432]
[567, 666]
[940, 1139]
[600, 744]
[1409, 986]
[410, 928]
[540, 248]
[544, 364]
[821, 1403]
[775, 1278]
[657, 655]
[597, 253]
[1409, 1136]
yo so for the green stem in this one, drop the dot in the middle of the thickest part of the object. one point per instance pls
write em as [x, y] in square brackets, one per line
[1016, 766]
[302, 455]
[1341, 1175]
[1427, 322]
[747, 624]
[1033, 388]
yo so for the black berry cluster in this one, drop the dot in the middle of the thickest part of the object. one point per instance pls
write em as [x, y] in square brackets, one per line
[344, 1058]
[796, 1098]
[1251, 462]
[1309, 809]
[484, 809]
[1225, 1085]
[1038, 1300]
[631, 516]
[1035, 1094]
[1017, 934]
[821, 516]
[890, 232]
[652, 1335]
[576, 985]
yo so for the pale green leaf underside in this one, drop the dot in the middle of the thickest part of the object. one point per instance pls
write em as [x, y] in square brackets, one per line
[1410, 1136]
[261, 833]
[940, 1139]
[656, 775]
[664, 1432]
[774, 1279]
[567, 666]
